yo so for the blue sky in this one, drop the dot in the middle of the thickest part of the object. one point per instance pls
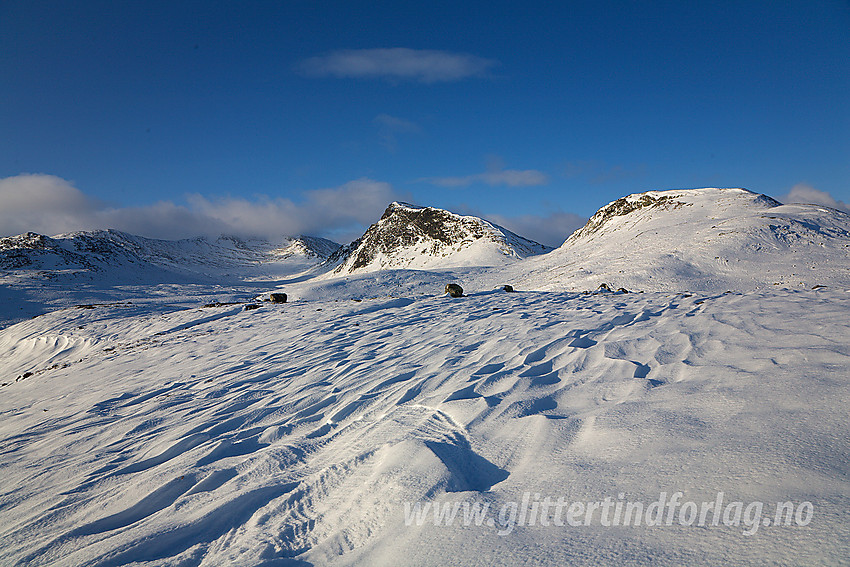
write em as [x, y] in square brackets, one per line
[171, 118]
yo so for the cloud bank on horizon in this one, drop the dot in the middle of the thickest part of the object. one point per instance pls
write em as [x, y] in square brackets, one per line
[50, 205]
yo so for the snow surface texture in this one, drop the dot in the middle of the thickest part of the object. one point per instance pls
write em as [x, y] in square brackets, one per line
[228, 437]
[158, 432]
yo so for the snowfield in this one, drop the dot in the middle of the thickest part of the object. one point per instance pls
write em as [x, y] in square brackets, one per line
[295, 433]
[373, 420]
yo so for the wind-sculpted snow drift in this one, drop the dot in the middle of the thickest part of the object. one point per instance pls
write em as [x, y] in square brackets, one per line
[290, 432]
[152, 433]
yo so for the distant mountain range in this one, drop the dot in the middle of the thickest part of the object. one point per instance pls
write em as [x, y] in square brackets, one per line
[114, 254]
[705, 239]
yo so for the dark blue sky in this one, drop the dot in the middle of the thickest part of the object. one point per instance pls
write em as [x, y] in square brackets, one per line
[500, 108]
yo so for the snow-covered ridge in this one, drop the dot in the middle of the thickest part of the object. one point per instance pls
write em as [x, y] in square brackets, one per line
[307, 246]
[108, 251]
[408, 236]
[670, 200]
[700, 239]
[710, 240]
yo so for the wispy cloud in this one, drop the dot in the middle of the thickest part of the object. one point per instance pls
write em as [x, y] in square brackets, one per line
[398, 63]
[804, 193]
[599, 172]
[51, 205]
[496, 174]
[509, 177]
[390, 127]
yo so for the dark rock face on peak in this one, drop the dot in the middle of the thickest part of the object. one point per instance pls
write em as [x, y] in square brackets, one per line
[26, 241]
[624, 206]
[407, 236]
[407, 223]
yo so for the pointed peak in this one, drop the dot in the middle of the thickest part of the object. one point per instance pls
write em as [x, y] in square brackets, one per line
[398, 207]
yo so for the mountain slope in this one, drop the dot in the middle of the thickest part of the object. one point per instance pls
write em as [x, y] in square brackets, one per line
[112, 253]
[407, 236]
[39, 273]
[699, 239]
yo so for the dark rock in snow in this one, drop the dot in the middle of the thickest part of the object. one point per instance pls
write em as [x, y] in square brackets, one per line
[605, 288]
[454, 290]
[251, 306]
[277, 297]
[508, 288]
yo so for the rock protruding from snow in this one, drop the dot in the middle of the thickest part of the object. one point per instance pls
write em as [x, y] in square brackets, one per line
[454, 290]
[407, 236]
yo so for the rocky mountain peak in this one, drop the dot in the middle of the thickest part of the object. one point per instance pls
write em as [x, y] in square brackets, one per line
[410, 236]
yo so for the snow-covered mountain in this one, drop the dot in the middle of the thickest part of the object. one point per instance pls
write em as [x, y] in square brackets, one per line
[305, 246]
[699, 239]
[412, 237]
[114, 254]
[373, 420]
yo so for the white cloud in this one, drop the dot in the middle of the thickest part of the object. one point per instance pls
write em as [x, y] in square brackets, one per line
[51, 205]
[803, 193]
[399, 63]
[552, 229]
[37, 202]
